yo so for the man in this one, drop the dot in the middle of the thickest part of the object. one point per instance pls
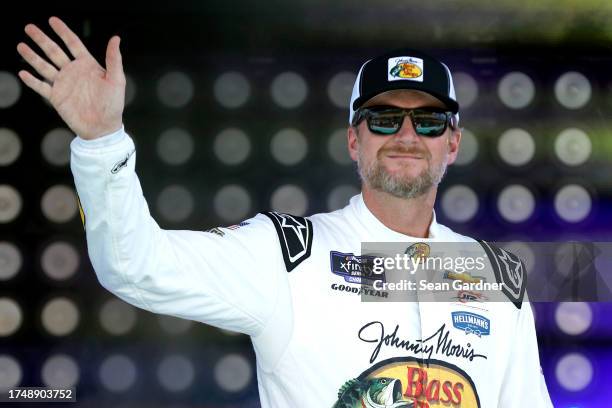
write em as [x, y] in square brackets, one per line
[284, 280]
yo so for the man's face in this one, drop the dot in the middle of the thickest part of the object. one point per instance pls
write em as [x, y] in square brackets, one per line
[405, 164]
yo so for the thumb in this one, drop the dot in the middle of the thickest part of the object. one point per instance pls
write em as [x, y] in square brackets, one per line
[114, 64]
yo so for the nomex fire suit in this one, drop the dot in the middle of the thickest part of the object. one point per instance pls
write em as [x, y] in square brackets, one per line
[282, 280]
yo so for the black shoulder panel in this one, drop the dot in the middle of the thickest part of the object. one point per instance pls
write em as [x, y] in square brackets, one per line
[295, 236]
[509, 270]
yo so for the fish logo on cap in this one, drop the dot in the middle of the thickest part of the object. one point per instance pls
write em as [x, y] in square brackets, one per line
[405, 68]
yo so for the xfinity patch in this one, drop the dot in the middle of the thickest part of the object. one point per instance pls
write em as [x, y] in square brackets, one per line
[471, 323]
[354, 268]
[405, 68]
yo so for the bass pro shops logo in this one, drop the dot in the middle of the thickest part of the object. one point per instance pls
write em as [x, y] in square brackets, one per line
[405, 382]
[405, 68]
[354, 268]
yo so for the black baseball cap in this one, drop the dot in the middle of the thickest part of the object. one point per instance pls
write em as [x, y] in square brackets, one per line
[403, 69]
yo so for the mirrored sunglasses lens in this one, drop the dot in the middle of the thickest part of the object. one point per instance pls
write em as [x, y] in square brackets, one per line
[385, 124]
[430, 123]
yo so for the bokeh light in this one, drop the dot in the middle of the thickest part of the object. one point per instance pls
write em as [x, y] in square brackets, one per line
[60, 261]
[175, 373]
[289, 199]
[60, 371]
[573, 203]
[574, 372]
[574, 318]
[11, 316]
[10, 146]
[10, 203]
[459, 203]
[11, 260]
[10, 89]
[60, 316]
[232, 90]
[175, 89]
[573, 90]
[516, 203]
[516, 90]
[289, 146]
[289, 90]
[175, 146]
[232, 203]
[232, 146]
[233, 373]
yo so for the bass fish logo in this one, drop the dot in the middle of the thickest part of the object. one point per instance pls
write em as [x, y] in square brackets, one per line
[405, 68]
[405, 382]
[372, 392]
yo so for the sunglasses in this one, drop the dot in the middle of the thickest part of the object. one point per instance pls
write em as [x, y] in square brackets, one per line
[387, 120]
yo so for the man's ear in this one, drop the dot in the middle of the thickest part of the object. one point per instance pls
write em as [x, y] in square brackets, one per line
[353, 142]
[453, 145]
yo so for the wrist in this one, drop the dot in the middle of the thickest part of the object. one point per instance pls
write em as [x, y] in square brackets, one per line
[112, 133]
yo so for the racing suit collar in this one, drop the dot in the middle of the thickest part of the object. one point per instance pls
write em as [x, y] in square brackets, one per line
[380, 231]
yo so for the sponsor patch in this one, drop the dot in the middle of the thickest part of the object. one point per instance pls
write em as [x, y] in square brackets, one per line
[418, 250]
[405, 68]
[354, 268]
[121, 164]
[465, 296]
[216, 231]
[441, 343]
[236, 226]
[410, 382]
[295, 236]
[362, 291]
[471, 323]
[464, 277]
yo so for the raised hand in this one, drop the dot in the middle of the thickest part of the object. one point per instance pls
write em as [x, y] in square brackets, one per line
[89, 98]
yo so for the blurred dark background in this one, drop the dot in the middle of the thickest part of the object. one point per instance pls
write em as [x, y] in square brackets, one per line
[242, 106]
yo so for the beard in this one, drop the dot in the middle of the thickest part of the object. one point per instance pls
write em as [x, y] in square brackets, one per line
[377, 177]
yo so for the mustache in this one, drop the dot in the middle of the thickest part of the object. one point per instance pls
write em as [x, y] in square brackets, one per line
[403, 149]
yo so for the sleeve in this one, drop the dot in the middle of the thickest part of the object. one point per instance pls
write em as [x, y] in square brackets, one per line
[523, 384]
[228, 278]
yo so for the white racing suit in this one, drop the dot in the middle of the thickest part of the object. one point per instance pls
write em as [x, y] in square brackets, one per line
[279, 279]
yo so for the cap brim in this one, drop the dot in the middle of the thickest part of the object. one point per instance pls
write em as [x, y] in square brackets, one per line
[451, 104]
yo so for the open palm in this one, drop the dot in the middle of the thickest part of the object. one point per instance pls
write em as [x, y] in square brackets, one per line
[89, 98]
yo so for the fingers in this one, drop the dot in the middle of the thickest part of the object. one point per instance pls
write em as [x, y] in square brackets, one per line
[41, 66]
[40, 87]
[114, 64]
[50, 48]
[72, 41]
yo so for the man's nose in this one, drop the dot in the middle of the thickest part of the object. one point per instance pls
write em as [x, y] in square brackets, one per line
[407, 132]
